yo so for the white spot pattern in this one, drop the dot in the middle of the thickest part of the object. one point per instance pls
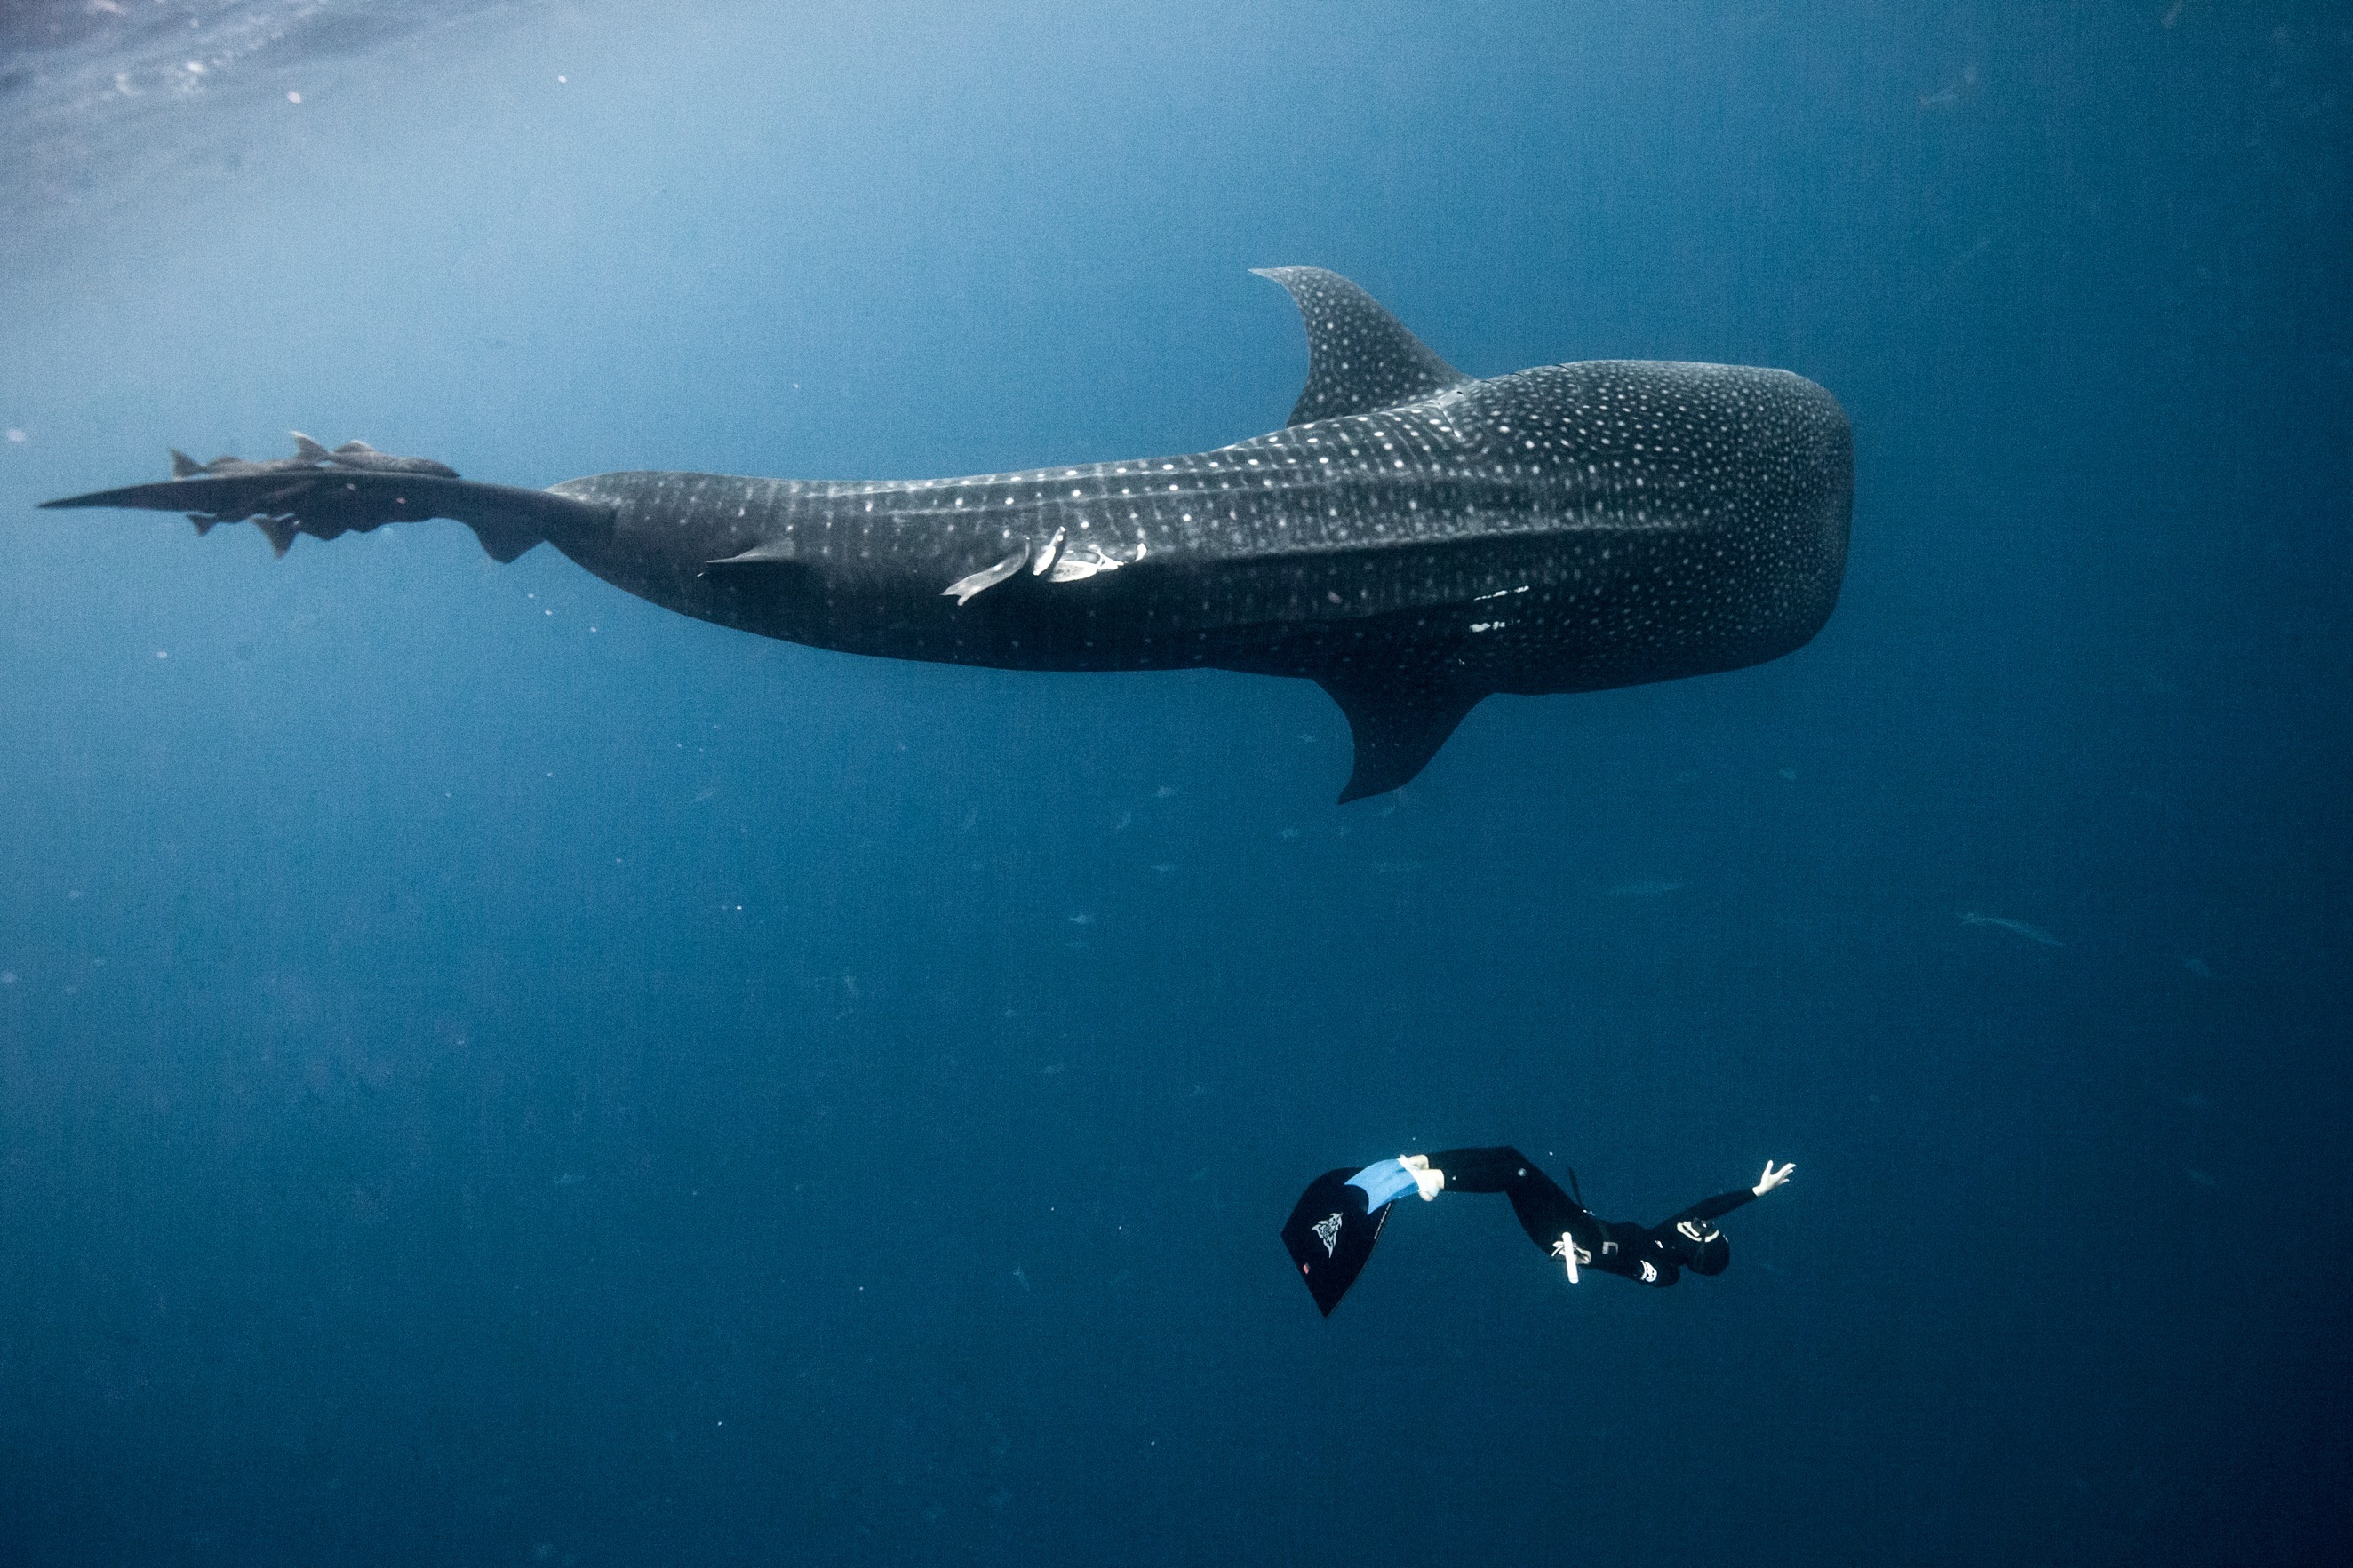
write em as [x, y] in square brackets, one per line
[1644, 520]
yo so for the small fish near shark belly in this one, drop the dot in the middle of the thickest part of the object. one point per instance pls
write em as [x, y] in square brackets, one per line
[1050, 560]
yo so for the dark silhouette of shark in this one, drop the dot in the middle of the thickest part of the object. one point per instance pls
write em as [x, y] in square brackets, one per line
[1412, 541]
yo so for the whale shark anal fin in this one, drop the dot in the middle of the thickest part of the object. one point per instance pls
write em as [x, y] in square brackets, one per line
[503, 539]
[1399, 717]
[1360, 359]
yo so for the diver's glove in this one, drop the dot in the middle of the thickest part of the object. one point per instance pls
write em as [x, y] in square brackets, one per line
[1569, 1253]
[1430, 1183]
[1773, 1178]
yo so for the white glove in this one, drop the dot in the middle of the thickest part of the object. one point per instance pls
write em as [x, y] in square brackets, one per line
[1773, 1178]
[1430, 1182]
[1568, 1252]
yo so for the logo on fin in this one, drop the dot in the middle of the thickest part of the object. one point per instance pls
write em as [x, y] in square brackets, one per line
[1327, 1231]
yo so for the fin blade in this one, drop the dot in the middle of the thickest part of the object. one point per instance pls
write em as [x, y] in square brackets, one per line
[1330, 1258]
[1399, 718]
[1360, 358]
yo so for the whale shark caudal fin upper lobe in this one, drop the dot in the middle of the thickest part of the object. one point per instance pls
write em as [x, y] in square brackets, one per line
[1359, 357]
[1399, 717]
[326, 503]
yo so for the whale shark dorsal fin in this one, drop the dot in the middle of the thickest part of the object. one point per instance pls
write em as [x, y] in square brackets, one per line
[307, 449]
[1359, 357]
[1399, 718]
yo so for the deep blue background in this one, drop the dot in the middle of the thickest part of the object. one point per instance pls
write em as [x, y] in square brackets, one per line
[492, 1072]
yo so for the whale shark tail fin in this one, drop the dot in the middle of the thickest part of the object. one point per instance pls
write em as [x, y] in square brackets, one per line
[1398, 719]
[1359, 357]
[326, 503]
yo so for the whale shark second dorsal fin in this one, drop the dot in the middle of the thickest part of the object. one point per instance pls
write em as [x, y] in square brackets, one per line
[1359, 357]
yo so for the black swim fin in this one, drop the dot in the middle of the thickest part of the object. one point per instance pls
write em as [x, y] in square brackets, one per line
[1330, 1236]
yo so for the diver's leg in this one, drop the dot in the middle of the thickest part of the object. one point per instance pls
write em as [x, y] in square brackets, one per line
[1549, 1215]
[1481, 1170]
[1544, 1211]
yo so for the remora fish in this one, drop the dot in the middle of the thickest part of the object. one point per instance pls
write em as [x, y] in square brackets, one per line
[360, 456]
[186, 467]
[1413, 541]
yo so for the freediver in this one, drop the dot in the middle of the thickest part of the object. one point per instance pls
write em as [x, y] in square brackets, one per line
[1331, 1232]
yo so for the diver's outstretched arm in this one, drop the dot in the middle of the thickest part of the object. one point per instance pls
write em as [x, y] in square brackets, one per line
[1723, 1203]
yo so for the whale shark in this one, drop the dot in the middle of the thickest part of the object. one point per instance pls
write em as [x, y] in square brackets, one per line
[1414, 539]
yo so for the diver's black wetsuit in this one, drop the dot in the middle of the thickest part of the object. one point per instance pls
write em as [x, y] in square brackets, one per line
[1331, 1232]
[1654, 1255]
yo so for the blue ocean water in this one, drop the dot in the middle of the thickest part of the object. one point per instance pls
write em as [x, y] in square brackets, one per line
[491, 1071]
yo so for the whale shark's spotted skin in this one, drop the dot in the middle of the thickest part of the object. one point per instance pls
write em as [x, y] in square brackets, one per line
[1414, 539]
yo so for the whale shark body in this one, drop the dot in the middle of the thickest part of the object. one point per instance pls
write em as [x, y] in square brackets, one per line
[1413, 540]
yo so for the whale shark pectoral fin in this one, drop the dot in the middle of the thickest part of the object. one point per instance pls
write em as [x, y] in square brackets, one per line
[759, 555]
[1359, 357]
[1399, 717]
[765, 573]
